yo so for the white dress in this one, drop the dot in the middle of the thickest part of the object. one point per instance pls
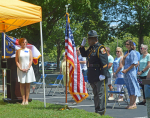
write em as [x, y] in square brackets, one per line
[24, 77]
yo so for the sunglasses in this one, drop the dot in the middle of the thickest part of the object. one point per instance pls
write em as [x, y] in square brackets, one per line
[117, 51]
[141, 48]
[127, 44]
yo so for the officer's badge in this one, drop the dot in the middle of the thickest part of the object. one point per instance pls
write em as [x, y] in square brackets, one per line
[103, 51]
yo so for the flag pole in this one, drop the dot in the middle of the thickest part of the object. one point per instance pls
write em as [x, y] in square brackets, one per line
[4, 69]
[66, 81]
[42, 62]
[66, 60]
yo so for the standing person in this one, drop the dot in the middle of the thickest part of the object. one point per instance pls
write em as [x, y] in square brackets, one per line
[130, 78]
[97, 70]
[144, 67]
[25, 71]
[63, 70]
[110, 64]
[82, 61]
[118, 68]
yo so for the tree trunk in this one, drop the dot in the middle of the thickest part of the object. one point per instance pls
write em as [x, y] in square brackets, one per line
[141, 40]
[36, 67]
[36, 71]
[58, 56]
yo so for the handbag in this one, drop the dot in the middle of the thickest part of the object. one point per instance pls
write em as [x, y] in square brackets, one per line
[147, 91]
[139, 80]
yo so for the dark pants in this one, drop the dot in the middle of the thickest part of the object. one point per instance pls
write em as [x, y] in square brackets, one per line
[99, 95]
[144, 77]
[84, 72]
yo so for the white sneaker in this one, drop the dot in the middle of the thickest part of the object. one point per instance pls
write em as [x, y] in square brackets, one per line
[120, 99]
[111, 98]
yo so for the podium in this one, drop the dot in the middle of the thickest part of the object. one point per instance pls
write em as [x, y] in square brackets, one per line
[13, 86]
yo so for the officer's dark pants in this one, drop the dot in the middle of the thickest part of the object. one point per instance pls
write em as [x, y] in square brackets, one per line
[99, 95]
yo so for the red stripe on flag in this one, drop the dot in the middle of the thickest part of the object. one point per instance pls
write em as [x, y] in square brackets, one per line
[78, 75]
[78, 89]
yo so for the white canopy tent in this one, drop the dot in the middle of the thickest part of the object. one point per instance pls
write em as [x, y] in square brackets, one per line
[15, 14]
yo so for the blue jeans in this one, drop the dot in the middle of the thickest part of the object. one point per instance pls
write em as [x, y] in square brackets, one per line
[84, 72]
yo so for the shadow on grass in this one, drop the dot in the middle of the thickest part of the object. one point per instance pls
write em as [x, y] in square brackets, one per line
[2, 102]
[54, 107]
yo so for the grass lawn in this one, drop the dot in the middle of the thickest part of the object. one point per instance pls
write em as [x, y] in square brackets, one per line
[36, 109]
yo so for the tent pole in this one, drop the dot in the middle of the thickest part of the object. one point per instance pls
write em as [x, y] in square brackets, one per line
[4, 69]
[42, 62]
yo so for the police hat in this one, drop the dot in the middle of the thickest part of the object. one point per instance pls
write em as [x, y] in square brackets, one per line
[92, 33]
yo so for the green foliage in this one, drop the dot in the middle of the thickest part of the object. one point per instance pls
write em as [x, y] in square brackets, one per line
[147, 42]
[121, 43]
[130, 16]
[92, 20]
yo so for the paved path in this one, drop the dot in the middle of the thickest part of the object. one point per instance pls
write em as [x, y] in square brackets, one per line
[88, 105]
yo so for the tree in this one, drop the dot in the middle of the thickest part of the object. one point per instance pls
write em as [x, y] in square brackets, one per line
[56, 40]
[130, 16]
[121, 43]
[52, 12]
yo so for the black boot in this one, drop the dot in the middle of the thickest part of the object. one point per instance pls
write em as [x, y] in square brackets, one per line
[100, 112]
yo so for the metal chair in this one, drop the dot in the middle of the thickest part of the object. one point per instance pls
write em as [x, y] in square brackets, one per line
[57, 84]
[123, 91]
[40, 83]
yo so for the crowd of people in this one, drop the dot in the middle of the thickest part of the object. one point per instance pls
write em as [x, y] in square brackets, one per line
[100, 67]
[130, 65]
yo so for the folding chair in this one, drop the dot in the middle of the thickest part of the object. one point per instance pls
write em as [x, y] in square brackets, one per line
[121, 82]
[88, 86]
[57, 84]
[40, 83]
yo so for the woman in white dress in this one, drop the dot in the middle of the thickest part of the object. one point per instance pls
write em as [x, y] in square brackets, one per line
[25, 71]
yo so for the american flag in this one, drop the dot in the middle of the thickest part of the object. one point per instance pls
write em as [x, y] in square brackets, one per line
[77, 87]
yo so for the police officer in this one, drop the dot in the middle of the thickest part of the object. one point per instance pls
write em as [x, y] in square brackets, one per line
[97, 70]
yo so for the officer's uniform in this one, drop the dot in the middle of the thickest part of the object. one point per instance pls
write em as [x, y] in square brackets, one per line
[97, 65]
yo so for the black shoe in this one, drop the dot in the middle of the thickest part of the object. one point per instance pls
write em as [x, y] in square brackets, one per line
[99, 112]
[141, 103]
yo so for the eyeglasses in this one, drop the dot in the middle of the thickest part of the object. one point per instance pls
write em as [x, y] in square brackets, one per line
[117, 51]
[127, 44]
[141, 48]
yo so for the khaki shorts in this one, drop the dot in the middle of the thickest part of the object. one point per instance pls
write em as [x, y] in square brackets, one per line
[110, 79]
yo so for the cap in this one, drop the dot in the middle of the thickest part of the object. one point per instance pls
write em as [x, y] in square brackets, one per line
[92, 33]
[134, 44]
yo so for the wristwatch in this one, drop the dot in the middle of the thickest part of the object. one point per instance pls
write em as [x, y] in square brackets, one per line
[142, 71]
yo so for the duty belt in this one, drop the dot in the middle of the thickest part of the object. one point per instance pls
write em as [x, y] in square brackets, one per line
[94, 65]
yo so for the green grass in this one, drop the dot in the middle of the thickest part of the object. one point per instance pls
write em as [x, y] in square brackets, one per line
[36, 109]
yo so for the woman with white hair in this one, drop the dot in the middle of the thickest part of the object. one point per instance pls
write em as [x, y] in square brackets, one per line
[118, 68]
[144, 66]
